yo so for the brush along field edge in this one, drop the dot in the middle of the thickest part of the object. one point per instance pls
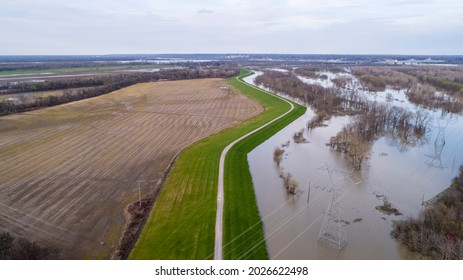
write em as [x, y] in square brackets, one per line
[182, 222]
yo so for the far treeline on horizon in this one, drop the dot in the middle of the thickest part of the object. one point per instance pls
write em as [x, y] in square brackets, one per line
[236, 57]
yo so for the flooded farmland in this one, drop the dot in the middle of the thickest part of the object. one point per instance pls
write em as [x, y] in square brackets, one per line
[401, 173]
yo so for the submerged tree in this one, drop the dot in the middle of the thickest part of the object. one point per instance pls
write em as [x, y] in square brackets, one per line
[317, 120]
[290, 184]
[351, 143]
[278, 155]
[356, 138]
[299, 138]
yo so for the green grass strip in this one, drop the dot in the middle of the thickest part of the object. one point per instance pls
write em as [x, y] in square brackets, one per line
[182, 222]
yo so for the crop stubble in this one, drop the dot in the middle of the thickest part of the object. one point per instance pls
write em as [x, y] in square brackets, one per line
[67, 172]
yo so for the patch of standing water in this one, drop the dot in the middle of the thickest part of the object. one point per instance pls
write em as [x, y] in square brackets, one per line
[403, 175]
[250, 79]
[279, 70]
[326, 83]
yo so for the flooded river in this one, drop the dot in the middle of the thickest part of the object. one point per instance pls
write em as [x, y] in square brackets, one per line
[403, 175]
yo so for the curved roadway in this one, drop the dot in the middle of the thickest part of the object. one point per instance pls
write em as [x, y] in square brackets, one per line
[220, 200]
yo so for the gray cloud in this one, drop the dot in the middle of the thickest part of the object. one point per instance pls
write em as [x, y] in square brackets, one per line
[205, 11]
[280, 26]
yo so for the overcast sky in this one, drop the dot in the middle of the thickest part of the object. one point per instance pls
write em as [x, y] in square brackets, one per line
[231, 26]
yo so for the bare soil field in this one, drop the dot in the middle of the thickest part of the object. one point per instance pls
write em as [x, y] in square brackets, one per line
[67, 172]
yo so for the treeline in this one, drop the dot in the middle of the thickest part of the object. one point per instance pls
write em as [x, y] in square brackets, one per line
[377, 78]
[21, 249]
[342, 81]
[376, 120]
[443, 84]
[324, 101]
[13, 88]
[107, 84]
[448, 79]
[402, 77]
[371, 120]
[314, 71]
[38, 66]
[61, 65]
[449, 73]
[172, 74]
[308, 72]
[437, 232]
[373, 83]
[420, 84]
[426, 96]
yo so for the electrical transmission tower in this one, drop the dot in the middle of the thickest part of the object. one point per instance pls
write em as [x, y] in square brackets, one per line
[435, 160]
[333, 232]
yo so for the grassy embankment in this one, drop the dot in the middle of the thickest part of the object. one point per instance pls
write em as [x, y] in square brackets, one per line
[81, 69]
[182, 222]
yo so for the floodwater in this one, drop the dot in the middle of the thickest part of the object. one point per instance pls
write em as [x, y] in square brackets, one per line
[403, 175]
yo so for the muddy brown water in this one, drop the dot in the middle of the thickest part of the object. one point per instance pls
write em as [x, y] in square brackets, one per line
[404, 176]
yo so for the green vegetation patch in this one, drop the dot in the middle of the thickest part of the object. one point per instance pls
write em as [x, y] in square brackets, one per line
[182, 222]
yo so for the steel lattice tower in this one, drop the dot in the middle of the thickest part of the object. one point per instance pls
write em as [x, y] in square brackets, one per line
[333, 232]
[435, 160]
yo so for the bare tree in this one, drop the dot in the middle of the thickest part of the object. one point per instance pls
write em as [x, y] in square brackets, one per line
[299, 138]
[278, 155]
[290, 184]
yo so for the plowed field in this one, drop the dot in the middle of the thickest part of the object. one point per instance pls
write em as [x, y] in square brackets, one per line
[67, 172]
